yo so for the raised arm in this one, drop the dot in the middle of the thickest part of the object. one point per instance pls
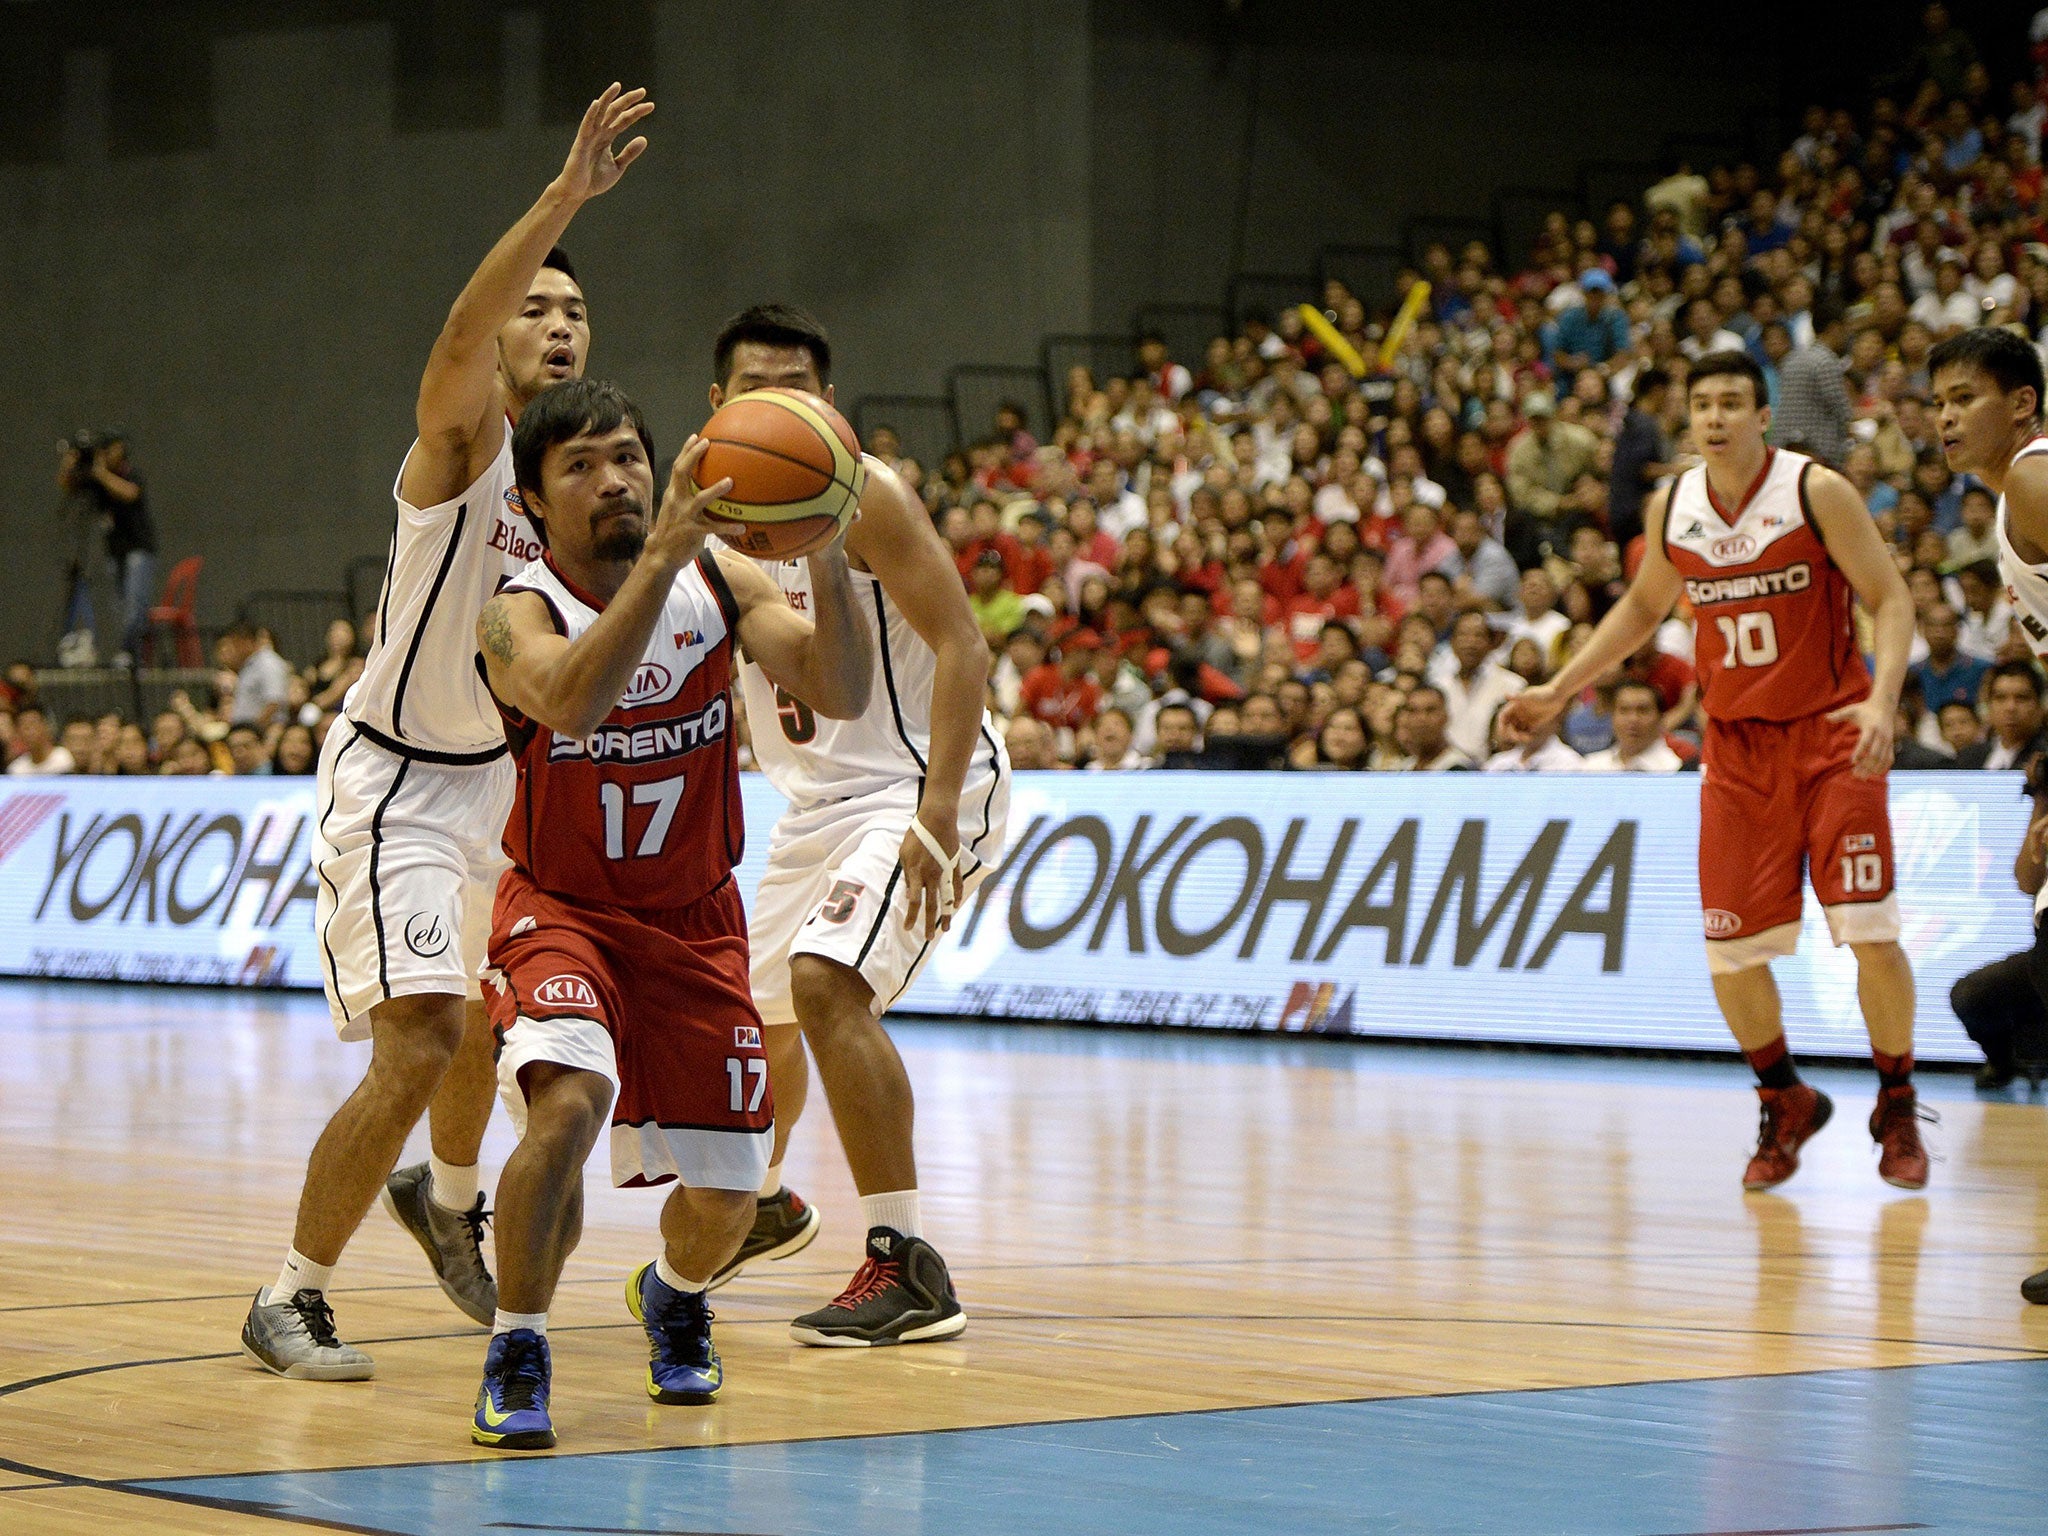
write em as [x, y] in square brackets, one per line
[460, 412]
[1630, 622]
[895, 539]
[1856, 546]
[570, 686]
[826, 660]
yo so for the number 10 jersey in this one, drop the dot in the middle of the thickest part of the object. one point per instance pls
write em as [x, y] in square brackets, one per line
[1775, 634]
[645, 812]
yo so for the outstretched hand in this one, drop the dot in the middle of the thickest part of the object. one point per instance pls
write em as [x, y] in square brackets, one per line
[593, 167]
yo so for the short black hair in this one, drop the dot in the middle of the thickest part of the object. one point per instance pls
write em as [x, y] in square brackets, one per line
[559, 413]
[1650, 380]
[2024, 670]
[1631, 684]
[2010, 359]
[1730, 363]
[559, 260]
[243, 727]
[772, 325]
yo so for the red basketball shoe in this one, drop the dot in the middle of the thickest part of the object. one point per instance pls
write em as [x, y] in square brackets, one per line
[1788, 1120]
[1895, 1127]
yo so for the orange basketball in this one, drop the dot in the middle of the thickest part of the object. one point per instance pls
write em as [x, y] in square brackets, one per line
[795, 469]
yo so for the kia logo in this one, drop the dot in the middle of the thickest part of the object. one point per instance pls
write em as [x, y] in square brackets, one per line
[1722, 925]
[566, 992]
[650, 682]
[1730, 550]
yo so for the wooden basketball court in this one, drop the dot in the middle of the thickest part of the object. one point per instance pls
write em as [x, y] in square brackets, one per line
[1526, 1290]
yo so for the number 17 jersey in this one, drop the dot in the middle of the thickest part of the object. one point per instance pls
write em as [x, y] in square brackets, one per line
[1773, 615]
[644, 813]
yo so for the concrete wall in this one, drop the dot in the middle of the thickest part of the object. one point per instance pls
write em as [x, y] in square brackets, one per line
[256, 309]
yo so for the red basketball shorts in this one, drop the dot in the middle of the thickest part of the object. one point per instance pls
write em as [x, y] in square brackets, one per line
[1778, 805]
[656, 1001]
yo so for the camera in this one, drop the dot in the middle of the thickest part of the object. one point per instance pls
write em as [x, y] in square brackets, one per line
[85, 442]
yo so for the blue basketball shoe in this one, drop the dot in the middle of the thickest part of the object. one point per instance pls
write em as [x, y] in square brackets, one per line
[682, 1367]
[512, 1404]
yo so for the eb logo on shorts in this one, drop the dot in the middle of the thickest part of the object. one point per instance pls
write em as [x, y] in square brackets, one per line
[747, 1036]
[425, 935]
[566, 992]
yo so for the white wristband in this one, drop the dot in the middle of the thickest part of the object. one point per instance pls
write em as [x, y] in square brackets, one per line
[947, 862]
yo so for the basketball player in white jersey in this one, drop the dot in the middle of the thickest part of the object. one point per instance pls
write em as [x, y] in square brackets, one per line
[893, 817]
[1988, 390]
[414, 787]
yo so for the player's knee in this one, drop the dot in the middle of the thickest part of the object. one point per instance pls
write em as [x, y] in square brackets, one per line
[566, 1107]
[826, 994]
[413, 1039]
[729, 1210]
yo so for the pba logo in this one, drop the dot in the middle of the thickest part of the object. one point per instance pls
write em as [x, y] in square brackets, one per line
[1859, 842]
[1722, 925]
[513, 503]
[566, 992]
[651, 682]
[689, 637]
[747, 1036]
[1732, 550]
[424, 935]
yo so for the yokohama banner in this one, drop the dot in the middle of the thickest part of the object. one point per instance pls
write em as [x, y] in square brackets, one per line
[1526, 908]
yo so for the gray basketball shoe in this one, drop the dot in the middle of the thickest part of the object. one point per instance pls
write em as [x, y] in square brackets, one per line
[453, 1241]
[295, 1337]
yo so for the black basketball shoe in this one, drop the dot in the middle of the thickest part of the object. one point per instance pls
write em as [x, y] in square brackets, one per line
[901, 1294]
[784, 1223]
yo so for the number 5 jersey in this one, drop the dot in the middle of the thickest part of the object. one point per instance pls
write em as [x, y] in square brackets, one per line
[1776, 636]
[645, 812]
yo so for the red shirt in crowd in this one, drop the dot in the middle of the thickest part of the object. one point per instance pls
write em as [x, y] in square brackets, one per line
[1306, 615]
[1052, 696]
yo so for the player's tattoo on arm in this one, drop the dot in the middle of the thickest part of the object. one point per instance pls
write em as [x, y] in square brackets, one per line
[495, 630]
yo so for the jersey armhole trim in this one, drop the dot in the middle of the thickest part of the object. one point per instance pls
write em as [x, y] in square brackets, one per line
[728, 605]
[1806, 509]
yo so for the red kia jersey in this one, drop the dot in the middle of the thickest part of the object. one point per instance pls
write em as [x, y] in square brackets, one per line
[1774, 634]
[645, 813]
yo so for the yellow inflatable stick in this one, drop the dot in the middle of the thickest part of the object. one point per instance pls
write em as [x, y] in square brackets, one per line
[1404, 322]
[1333, 340]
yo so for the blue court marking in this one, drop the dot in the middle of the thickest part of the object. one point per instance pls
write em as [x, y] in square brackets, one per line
[1947, 1448]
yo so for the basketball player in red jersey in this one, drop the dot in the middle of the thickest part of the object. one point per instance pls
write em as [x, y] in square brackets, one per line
[617, 966]
[1770, 546]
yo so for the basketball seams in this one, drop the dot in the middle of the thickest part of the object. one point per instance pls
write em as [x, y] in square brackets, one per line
[773, 512]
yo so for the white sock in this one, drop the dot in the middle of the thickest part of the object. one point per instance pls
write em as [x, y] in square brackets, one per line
[771, 1186]
[450, 1186]
[299, 1274]
[676, 1282]
[505, 1322]
[897, 1211]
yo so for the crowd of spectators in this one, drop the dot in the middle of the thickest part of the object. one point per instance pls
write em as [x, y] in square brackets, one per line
[1261, 559]
[259, 715]
[1258, 558]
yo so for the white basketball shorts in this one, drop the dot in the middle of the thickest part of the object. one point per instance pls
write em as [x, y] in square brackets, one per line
[834, 887]
[408, 850]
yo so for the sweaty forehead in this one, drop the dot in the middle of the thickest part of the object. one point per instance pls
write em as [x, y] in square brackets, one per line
[589, 441]
[760, 360]
[551, 285]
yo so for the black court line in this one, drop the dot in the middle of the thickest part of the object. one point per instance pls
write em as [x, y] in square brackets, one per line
[1365, 1260]
[2014, 1351]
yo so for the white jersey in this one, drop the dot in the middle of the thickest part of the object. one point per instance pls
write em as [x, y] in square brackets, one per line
[2026, 586]
[422, 689]
[809, 758]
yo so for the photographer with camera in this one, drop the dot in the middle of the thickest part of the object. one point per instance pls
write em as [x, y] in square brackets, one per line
[94, 468]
